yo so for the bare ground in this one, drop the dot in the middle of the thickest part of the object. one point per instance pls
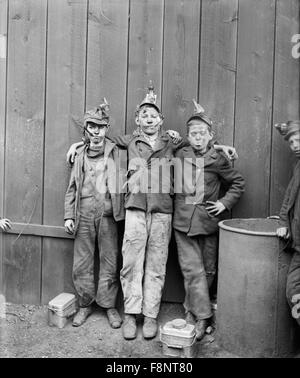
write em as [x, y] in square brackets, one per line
[24, 333]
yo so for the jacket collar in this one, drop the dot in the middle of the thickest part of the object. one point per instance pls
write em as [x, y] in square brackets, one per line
[108, 147]
[209, 156]
[162, 140]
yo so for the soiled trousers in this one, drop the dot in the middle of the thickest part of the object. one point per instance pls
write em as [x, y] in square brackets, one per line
[197, 257]
[94, 229]
[145, 254]
[293, 285]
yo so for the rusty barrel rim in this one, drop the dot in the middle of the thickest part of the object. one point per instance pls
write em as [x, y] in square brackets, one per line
[223, 226]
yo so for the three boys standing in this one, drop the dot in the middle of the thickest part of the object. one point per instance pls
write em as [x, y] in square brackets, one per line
[148, 219]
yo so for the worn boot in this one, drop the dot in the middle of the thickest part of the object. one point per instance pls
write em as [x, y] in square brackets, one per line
[129, 327]
[201, 326]
[189, 318]
[149, 327]
[81, 316]
[114, 318]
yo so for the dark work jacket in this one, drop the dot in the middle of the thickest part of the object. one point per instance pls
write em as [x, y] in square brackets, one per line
[72, 197]
[190, 215]
[290, 209]
[143, 160]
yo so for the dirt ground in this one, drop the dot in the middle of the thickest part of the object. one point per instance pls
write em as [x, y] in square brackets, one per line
[24, 333]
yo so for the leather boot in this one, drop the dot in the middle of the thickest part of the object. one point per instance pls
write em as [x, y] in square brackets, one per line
[189, 318]
[149, 327]
[201, 326]
[114, 318]
[81, 316]
[129, 327]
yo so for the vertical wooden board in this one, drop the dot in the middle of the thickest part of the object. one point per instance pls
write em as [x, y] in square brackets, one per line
[180, 61]
[180, 86]
[145, 53]
[3, 49]
[286, 97]
[107, 58]
[22, 268]
[57, 268]
[24, 145]
[218, 64]
[65, 98]
[254, 103]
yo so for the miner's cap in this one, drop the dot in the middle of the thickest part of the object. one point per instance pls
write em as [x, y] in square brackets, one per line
[199, 115]
[287, 129]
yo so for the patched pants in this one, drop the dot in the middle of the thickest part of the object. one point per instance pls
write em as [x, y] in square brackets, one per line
[293, 284]
[103, 230]
[145, 254]
[197, 257]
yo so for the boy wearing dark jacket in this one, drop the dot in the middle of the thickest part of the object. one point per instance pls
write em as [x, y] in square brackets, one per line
[290, 217]
[93, 205]
[199, 170]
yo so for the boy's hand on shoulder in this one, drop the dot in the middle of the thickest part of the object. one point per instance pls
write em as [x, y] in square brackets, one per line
[283, 232]
[70, 226]
[5, 224]
[229, 151]
[175, 136]
[72, 152]
[215, 208]
[136, 132]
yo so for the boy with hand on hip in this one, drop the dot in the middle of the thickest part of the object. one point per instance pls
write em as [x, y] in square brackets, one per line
[290, 217]
[93, 205]
[199, 170]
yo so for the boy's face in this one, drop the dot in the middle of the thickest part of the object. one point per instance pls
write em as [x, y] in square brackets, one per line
[199, 136]
[294, 143]
[149, 120]
[96, 133]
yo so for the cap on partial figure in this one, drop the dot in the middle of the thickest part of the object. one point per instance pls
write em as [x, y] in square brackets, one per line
[286, 129]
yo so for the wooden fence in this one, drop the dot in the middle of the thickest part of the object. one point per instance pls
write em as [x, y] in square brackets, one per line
[60, 57]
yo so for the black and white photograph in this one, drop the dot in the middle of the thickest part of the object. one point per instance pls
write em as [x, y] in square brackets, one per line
[149, 182]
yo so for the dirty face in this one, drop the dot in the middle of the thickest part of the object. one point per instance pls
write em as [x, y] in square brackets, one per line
[199, 136]
[294, 143]
[96, 133]
[149, 120]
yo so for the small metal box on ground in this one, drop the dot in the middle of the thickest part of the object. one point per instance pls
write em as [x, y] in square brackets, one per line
[60, 309]
[178, 339]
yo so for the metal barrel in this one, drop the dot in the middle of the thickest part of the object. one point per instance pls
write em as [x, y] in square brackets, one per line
[253, 316]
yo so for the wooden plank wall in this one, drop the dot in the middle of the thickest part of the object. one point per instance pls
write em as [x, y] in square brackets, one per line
[3, 68]
[63, 56]
[24, 145]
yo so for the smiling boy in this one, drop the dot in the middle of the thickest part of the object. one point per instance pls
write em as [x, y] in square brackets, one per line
[196, 212]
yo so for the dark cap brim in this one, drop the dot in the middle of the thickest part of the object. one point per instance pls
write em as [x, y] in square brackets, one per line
[199, 117]
[149, 104]
[98, 121]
